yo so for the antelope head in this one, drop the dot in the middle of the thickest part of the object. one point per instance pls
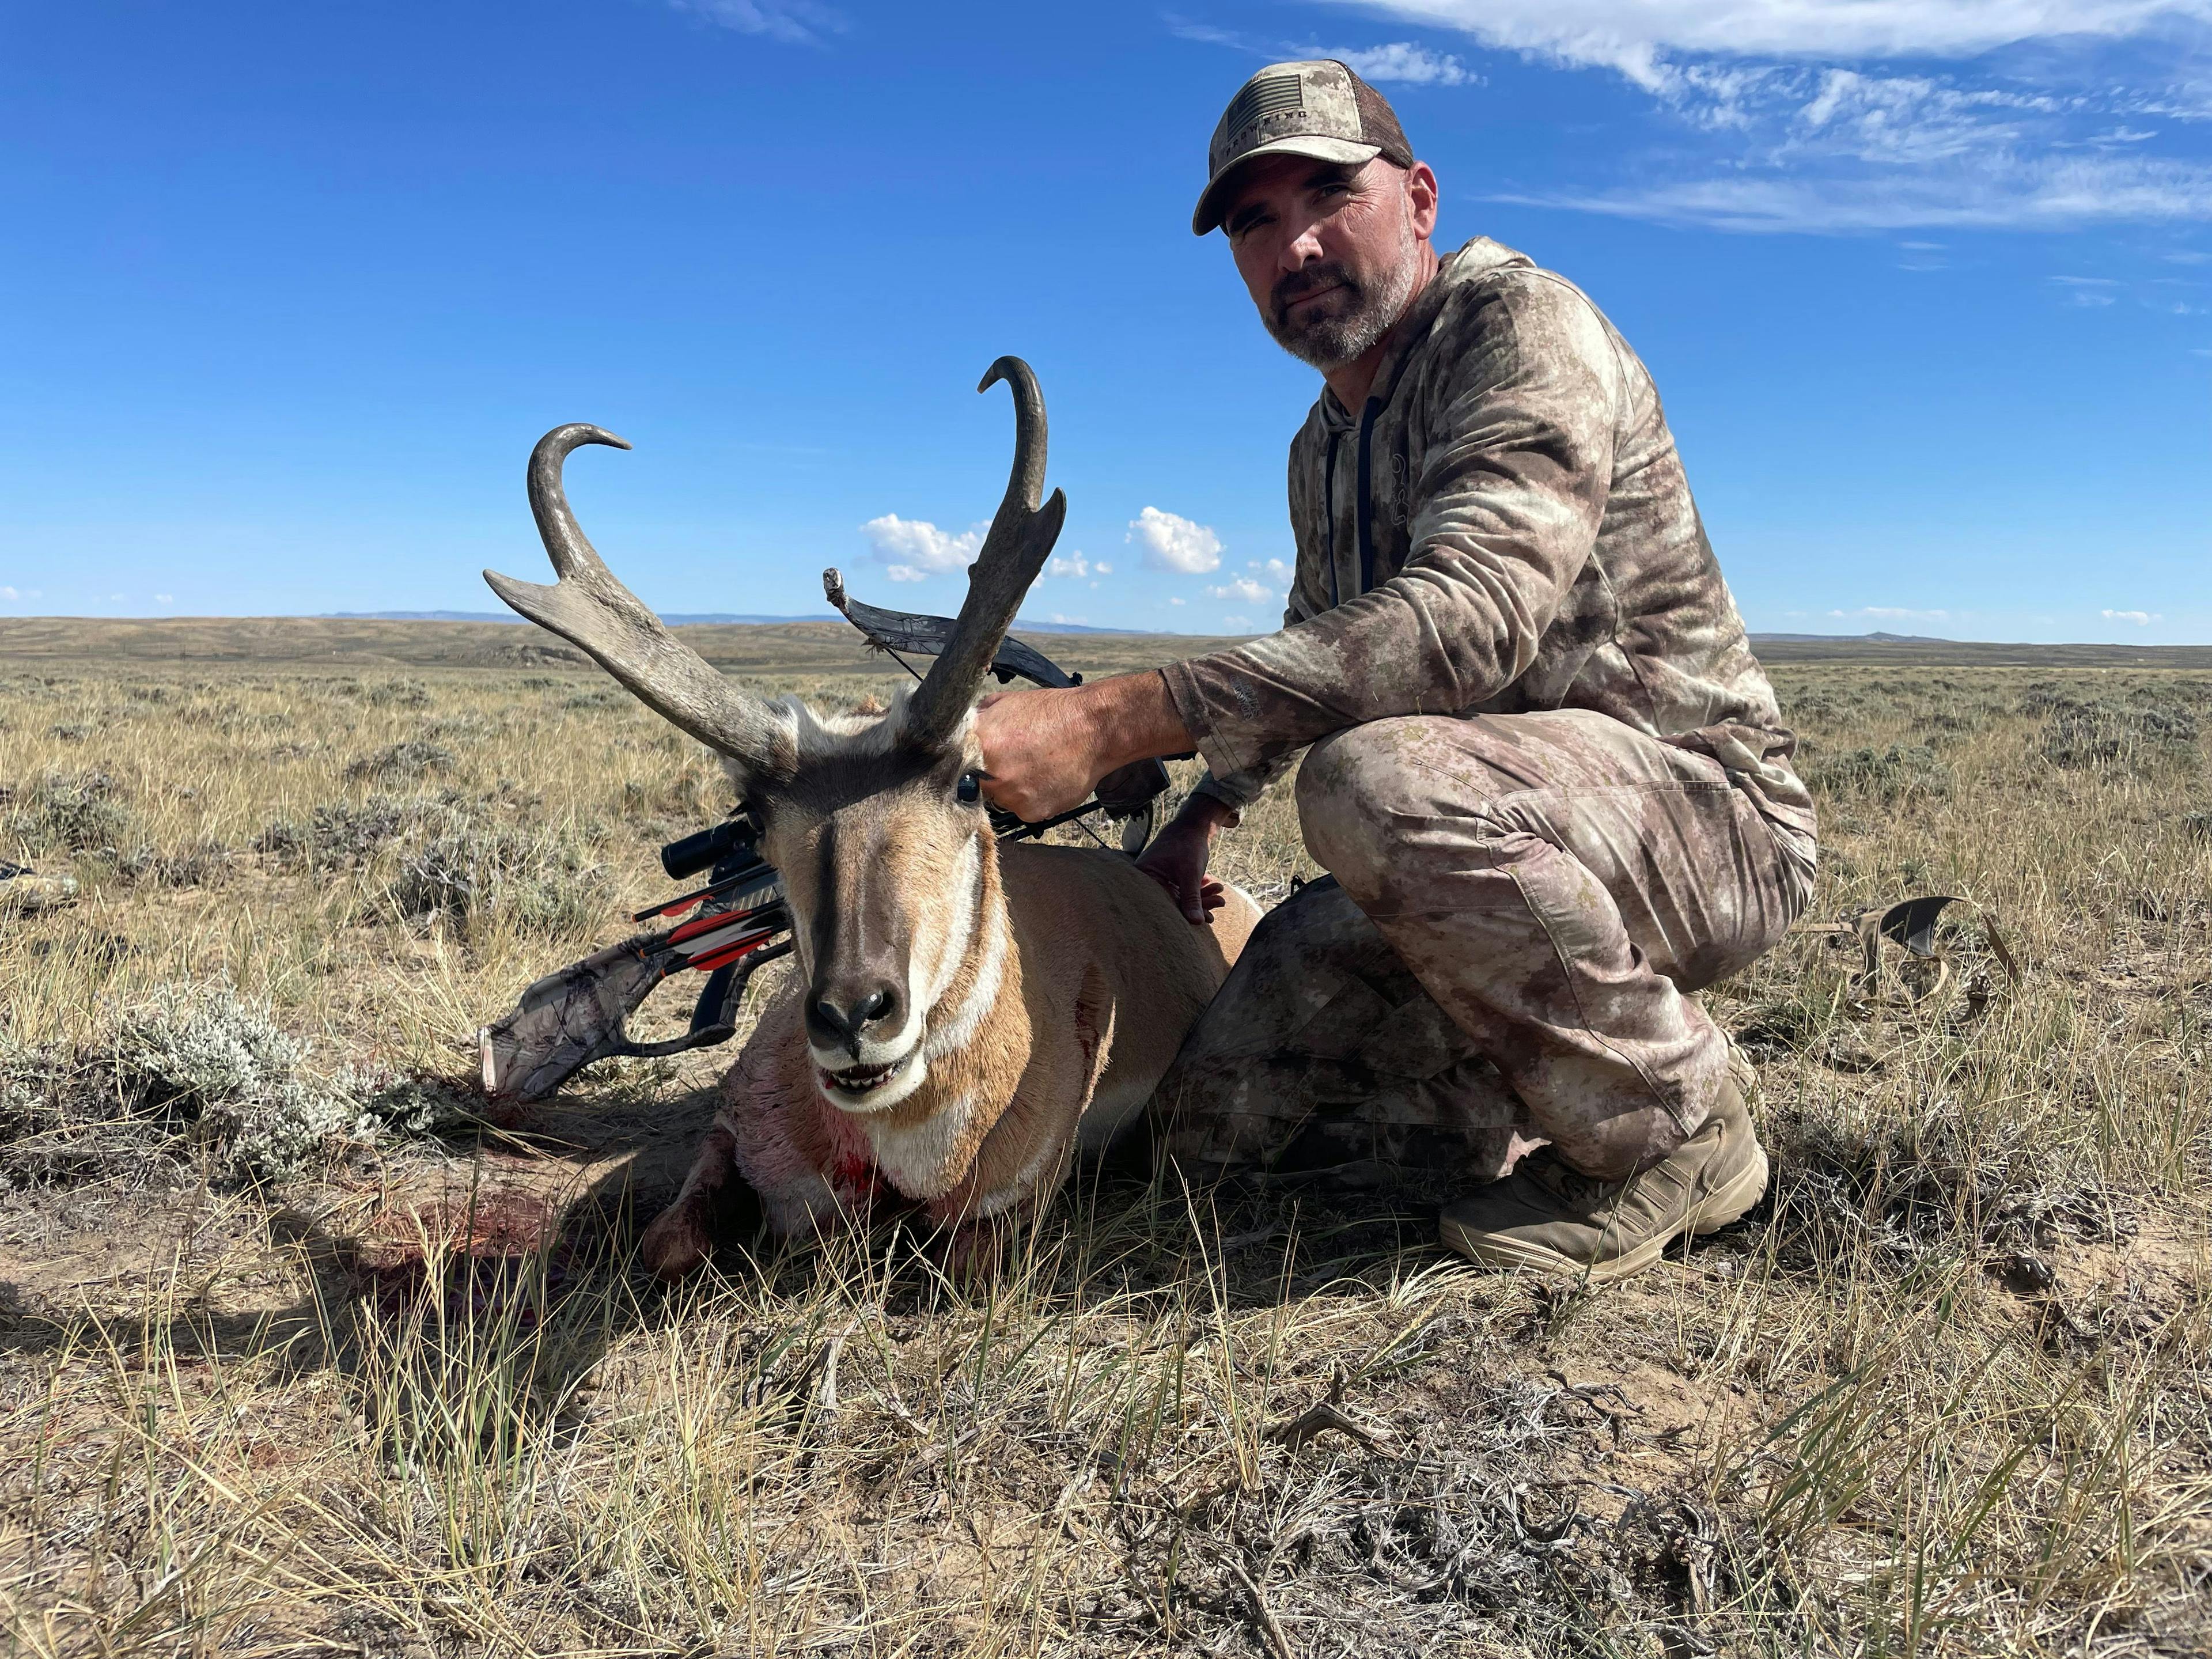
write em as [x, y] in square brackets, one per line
[876, 822]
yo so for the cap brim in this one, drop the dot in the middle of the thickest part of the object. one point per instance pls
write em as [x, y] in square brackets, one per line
[1208, 214]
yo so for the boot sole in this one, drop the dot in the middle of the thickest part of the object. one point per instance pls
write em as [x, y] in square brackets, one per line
[1725, 1204]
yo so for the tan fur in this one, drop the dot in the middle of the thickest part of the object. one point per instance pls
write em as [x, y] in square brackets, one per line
[1100, 979]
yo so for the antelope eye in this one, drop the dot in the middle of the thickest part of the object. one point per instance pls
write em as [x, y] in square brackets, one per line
[971, 789]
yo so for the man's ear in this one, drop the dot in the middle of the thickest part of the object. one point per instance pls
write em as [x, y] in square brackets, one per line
[1421, 197]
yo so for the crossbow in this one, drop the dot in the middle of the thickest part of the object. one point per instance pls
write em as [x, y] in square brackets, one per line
[736, 922]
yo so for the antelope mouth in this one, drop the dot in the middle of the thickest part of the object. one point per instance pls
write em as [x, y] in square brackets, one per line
[861, 1079]
[864, 1087]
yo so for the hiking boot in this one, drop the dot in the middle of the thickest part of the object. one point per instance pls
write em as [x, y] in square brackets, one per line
[1549, 1216]
[24, 891]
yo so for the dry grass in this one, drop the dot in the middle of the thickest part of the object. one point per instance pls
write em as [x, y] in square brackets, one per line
[1946, 1392]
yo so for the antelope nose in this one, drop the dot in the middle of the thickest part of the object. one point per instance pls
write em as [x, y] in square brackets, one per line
[840, 1017]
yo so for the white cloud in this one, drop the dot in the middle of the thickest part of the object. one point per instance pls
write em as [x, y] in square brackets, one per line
[1405, 62]
[165, 599]
[1065, 621]
[1171, 543]
[10, 594]
[1400, 61]
[1636, 36]
[1266, 587]
[1174, 601]
[1891, 613]
[1236, 622]
[1077, 567]
[913, 549]
[2139, 618]
[2051, 194]
[797, 22]
[1903, 119]
[1809, 133]
[2089, 290]
[1244, 588]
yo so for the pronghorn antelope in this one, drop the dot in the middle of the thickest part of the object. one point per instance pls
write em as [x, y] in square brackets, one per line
[964, 1016]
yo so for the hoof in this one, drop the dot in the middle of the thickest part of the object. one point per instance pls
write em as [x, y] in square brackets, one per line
[677, 1242]
[974, 1254]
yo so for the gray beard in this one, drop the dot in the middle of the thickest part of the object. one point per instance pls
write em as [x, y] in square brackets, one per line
[1369, 313]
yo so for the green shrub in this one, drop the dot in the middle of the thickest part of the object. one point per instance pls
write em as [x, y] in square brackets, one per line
[472, 872]
[200, 1070]
[1895, 772]
[68, 810]
[203, 864]
[402, 763]
[345, 833]
[2101, 733]
[222, 1066]
[398, 694]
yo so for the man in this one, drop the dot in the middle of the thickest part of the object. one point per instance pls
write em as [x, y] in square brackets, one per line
[1539, 755]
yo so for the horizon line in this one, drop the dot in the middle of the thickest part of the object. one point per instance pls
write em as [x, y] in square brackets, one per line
[726, 619]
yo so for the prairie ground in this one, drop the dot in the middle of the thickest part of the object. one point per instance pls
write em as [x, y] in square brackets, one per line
[301, 1352]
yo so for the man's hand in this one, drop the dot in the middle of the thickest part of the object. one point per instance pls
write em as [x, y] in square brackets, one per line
[1040, 751]
[1177, 857]
[1043, 752]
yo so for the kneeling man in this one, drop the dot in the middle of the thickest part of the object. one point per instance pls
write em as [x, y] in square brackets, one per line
[1538, 753]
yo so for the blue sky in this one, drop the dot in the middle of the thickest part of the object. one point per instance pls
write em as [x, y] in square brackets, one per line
[290, 290]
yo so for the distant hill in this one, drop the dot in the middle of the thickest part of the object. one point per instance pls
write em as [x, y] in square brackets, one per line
[671, 616]
[835, 647]
[1912, 651]
[354, 643]
[680, 618]
[1758, 639]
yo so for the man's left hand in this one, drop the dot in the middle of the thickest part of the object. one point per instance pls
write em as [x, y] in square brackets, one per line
[1045, 750]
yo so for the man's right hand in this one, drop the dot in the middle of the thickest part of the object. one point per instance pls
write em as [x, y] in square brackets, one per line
[1177, 857]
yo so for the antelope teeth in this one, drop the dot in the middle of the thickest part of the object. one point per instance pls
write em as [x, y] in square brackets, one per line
[861, 1079]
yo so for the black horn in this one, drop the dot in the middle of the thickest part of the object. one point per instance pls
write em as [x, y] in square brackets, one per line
[1021, 539]
[586, 606]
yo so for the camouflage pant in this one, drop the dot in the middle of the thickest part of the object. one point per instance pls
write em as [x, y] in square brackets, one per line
[1536, 895]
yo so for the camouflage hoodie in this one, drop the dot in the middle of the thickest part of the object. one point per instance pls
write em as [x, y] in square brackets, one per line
[1505, 526]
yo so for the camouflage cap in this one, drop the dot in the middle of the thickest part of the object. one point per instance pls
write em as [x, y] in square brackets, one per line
[1319, 108]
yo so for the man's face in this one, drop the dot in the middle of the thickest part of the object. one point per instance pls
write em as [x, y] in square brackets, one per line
[1330, 253]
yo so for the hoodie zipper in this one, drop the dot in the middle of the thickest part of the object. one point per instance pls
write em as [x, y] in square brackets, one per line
[1366, 533]
[1329, 514]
